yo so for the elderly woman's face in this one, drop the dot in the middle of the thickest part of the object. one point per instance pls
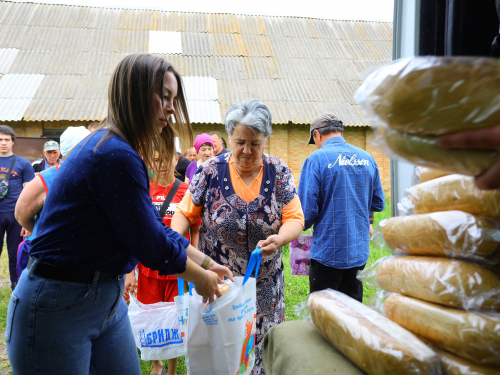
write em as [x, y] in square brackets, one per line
[247, 147]
[206, 152]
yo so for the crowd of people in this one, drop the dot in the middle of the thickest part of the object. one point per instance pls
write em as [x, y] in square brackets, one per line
[122, 200]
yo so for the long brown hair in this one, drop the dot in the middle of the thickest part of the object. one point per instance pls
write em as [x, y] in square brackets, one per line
[131, 113]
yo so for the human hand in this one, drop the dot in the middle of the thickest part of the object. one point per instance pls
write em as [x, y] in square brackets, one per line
[371, 230]
[271, 244]
[220, 270]
[25, 232]
[130, 283]
[485, 139]
[207, 286]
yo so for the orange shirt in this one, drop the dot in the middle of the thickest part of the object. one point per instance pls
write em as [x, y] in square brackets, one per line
[291, 212]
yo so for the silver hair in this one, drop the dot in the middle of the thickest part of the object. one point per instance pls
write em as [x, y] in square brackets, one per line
[251, 113]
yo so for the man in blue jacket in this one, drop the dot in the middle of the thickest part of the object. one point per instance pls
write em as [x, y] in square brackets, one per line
[339, 186]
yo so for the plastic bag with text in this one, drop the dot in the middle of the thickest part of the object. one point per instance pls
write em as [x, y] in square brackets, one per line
[371, 341]
[299, 255]
[453, 234]
[221, 336]
[432, 95]
[448, 193]
[448, 282]
[156, 330]
[474, 336]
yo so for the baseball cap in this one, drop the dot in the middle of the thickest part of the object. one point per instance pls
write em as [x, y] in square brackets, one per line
[51, 146]
[322, 121]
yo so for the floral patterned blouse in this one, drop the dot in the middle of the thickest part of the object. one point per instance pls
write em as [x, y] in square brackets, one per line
[231, 228]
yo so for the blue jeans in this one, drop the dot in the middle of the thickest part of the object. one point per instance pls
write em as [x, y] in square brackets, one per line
[56, 327]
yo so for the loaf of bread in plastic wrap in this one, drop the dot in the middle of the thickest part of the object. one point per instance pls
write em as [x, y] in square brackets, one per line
[370, 340]
[474, 336]
[448, 282]
[454, 234]
[455, 365]
[422, 150]
[453, 192]
[427, 174]
[432, 95]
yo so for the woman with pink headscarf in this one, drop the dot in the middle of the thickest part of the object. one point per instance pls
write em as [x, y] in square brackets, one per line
[204, 146]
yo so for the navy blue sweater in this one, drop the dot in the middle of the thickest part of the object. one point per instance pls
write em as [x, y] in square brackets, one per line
[98, 214]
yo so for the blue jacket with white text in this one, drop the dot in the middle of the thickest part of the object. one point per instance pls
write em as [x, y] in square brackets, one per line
[339, 186]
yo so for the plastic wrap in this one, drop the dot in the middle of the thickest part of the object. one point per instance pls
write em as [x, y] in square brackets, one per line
[453, 234]
[474, 336]
[433, 95]
[454, 365]
[427, 174]
[423, 151]
[449, 282]
[371, 341]
[454, 192]
[299, 255]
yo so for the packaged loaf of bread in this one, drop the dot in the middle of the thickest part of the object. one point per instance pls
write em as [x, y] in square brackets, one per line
[448, 193]
[455, 365]
[432, 95]
[427, 174]
[474, 336]
[448, 282]
[422, 150]
[453, 234]
[370, 340]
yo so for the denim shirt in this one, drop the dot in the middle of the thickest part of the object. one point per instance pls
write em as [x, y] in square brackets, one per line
[339, 186]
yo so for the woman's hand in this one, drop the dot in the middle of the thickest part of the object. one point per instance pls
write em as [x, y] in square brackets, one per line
[130, 283]
[271, 244]
[289, 232]
[482, 139]
[220, 270]
[208, 285]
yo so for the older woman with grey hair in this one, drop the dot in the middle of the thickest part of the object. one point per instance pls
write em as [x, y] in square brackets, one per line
[246, 199]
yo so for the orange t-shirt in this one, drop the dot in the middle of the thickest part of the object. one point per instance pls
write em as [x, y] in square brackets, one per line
[291, 212]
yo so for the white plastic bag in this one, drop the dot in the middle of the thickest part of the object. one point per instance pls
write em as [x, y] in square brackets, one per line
[156, 330]
[182, 307]
[221, 336]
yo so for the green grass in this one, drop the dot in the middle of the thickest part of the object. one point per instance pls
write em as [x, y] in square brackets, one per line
[296, 291]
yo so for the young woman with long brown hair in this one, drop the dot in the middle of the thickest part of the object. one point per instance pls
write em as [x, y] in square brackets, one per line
[66, 315]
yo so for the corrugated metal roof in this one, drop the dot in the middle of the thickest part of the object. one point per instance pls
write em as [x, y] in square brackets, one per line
[200, 88]
[298, 66]
[7, 57]
[166, 42]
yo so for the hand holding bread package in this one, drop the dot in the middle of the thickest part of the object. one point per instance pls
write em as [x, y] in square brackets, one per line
[413, 100]
[370, 340]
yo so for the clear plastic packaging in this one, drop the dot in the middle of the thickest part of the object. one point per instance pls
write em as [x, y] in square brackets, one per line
[427, 174]
[455, 365]
[299, 255]
[474, 336]
[371, 341]
[448, 282]
[432, 95]
[452, 234]
[423, 151]
[448, 193]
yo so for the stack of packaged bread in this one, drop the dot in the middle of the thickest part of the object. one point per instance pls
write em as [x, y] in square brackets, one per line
[440, 289]
[443, 283]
